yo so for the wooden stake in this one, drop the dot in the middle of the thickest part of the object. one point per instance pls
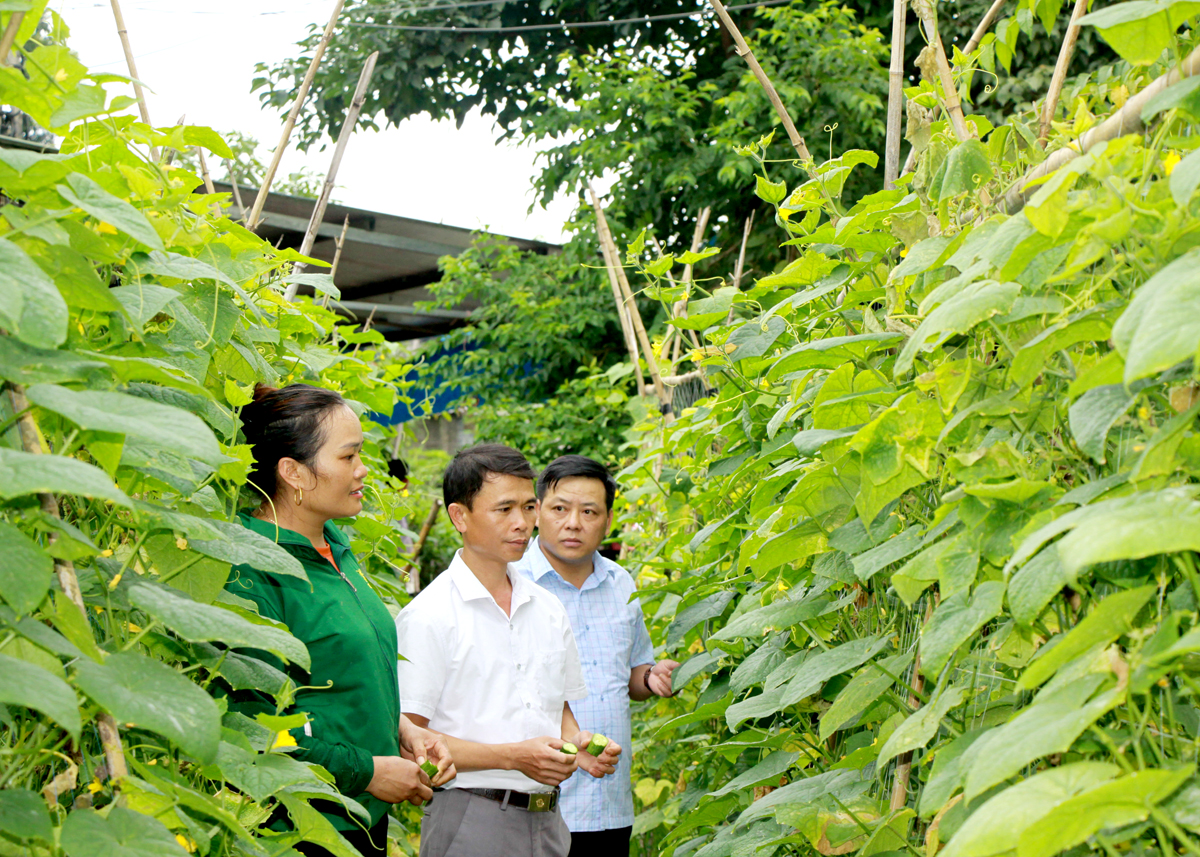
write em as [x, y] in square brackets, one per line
[1127, 120]
[745, 53]
[664, 398]
[208, 182]
[338, 245]
[610, 266]
[64, 569]
[984, 24]
[1060, 71]
[928, 16]
[237, 193]
[123, 33]
[10, 36]
[740, 267]
[895, 108]
[314, 222]
[414, 577]
[290, 122]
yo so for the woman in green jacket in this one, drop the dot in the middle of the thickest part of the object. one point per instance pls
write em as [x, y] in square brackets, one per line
[307, 445]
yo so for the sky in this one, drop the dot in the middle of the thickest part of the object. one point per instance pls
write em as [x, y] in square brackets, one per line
[199, 57]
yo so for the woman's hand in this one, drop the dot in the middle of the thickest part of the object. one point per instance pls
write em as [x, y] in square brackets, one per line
[397, 780]
[418, 744]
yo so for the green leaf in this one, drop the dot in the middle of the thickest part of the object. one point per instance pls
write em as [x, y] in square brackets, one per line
[26, 473]
[119, 413]
[241, 546]
[1161, 325]
[1140, 30]
[201, 623]
[862, 690]
[120, 833]
[1039, 730]
[1111, 805]
[144, 301]
[776, 615]
[149, 694]
[24, 364]
[22, 683]
[1093, 414]
[25, 572]
[974, 304]
[1184, 93]
[754, 337]
[891, 551]
[200, 135]
[769, 191]
[955, 621]
[102, 205]
[1186, 175]
[23, 815]
[1038, 581]
[818, 669]
[996, 827]
[967, 167]
[261, 775]
[842, 783]
[1147, 525]
[706, 312]
[768, 770]
[311, 826]
[30, 306]
[919, 727]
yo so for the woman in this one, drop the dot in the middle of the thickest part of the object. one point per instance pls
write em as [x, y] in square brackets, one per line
[307, 445]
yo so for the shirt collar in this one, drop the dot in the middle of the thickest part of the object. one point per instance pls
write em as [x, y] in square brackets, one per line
[540, 566]
[284, 536]
[471, 589]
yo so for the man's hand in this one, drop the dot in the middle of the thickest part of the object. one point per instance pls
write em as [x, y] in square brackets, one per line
[542, 759]
[418, 744]
[660, 677]
[602, 765]
[397, 780]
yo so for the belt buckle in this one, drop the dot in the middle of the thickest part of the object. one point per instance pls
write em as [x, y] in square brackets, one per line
[541, 802]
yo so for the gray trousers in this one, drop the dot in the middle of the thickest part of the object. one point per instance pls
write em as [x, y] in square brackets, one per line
[459, 824]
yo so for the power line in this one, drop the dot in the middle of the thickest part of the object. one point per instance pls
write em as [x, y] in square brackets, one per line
[562, 25]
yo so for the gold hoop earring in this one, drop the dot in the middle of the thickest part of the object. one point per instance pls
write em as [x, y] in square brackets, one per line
[299, 496]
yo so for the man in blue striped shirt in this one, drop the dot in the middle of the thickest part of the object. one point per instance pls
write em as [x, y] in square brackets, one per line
[575, 499]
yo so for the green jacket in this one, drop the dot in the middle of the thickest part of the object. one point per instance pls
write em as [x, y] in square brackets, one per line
[351, 638]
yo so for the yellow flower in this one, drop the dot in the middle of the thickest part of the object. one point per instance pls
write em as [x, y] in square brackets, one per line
[641, 502]
[112, 584]
[181, 543]
[95, 786]
[1171, 161]
[106, 552]
[187, 844]
[1143, 413]
[782, 586]
[283, 739]
[106, 228]
[903, 252]
[135, 629]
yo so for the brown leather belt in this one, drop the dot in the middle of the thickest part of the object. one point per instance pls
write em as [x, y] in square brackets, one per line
[532, 802]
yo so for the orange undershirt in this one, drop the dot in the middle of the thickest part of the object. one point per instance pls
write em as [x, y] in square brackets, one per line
[327, 552]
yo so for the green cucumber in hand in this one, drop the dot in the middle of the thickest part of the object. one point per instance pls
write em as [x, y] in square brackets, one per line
[429, 768]
[569, 748]
[596, 746]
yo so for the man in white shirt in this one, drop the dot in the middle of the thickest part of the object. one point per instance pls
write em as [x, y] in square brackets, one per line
[490, 662]
[575, 499]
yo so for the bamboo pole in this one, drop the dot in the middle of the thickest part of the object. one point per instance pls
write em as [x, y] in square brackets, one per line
[610, 265]
[745, 53]
[10, 36]
[338, 245]
[64, 569]
[237, 193]
[904, 760]
[895, 107]
[928, 17]
[984, 24]
[208, 182]
[413, 584]
[1060, 71]
[1127, 120]
[740, 267]
[664, 398]
[314, 222]
[261, 199]
[123, 34]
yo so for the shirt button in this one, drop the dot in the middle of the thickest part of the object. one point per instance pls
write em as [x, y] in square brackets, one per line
[527, 705]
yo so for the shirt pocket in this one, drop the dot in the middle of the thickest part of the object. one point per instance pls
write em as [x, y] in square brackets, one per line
[550, 676]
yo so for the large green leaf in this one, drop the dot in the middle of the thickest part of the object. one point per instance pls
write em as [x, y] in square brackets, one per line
[202, 623]
[23, 815]
[862, 690]
[243, 546]
[706, 312]
[119, 833]
[1111, 805]
[24, 364]
[996, 827]
[768, 770]
[261, 775]
[820, 668]
[1112, 617]
[967, 167]
[1140, 30]
[778, 614]
[134, 417]
[1161, 325]
[1145, 525]
[102, 205]
[22, 683]
[974, 304]
[30, 306]
[919, 727]
[842, 783]
[27, 473]
[1093, 414]
[955, 621]
[1038, 581]
[199, 576]
[149, 694]
[25, 571]
[311, 826]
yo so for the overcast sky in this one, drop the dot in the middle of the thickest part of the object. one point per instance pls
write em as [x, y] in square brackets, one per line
[198, 57]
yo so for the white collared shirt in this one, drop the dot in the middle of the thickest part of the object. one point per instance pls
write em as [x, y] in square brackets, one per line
[612, 637]
[484, 676]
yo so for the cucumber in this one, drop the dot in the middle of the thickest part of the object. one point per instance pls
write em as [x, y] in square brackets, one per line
[429, 768]
[570, 749]
[596, 746]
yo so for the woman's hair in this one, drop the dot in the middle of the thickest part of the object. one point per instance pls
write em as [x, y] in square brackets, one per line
[285, 423]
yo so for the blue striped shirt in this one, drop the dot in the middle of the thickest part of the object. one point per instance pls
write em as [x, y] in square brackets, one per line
[612, 638]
